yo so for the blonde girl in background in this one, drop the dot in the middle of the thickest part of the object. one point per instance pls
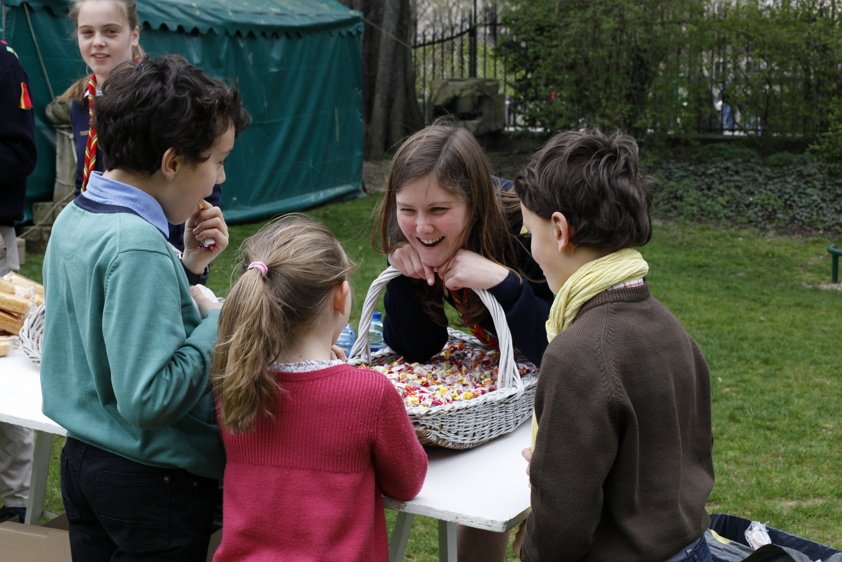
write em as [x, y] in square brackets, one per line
[311, 441]
[108, 35]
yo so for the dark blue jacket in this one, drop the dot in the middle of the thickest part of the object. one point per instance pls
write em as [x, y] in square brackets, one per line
[412, 333]
[17, 138]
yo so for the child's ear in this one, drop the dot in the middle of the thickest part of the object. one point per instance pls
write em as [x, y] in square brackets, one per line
[562, 230]
[341, 297]
[170, 164]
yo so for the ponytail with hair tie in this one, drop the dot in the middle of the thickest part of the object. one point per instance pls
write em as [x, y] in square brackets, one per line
[259, 266]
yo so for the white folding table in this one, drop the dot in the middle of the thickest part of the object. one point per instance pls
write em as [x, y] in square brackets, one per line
[485, 487]
[20, 404]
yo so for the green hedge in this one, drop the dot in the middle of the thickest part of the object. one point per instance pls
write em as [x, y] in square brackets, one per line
[785, 192]
[665, 67]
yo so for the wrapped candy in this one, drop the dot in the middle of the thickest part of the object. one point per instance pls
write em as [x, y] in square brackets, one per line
[458, 373]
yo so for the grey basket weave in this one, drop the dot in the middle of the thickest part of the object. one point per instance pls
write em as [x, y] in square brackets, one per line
[469, 423]
[31, 332]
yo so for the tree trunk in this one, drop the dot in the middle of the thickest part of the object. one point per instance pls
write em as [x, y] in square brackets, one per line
[391, 109]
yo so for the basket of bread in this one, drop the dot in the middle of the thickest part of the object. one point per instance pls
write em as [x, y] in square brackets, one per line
[468, 393]
[21, 314]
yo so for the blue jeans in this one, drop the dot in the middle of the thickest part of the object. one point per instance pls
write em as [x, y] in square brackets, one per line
[695, 552]
[119, 510]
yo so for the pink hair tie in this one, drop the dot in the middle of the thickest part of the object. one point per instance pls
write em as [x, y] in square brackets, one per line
[259, 266]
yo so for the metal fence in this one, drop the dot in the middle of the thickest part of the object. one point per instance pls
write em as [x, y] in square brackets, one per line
[464, 49]
[468, 49]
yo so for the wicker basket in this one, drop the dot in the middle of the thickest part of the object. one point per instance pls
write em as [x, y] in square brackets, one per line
[462, 424]
[31, 332]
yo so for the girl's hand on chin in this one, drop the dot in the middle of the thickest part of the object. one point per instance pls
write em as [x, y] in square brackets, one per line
[406, 260]
[471, 270]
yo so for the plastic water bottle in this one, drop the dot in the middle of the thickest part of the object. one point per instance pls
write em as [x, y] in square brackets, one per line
[346, 339]
[375, 332]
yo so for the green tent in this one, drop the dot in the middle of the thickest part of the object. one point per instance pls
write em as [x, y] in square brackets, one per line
[297, 64]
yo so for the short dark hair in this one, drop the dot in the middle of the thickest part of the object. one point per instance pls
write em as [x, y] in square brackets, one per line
[161, 103]
[594, 180]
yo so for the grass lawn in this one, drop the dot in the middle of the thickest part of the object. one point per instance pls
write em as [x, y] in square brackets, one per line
[771, 335]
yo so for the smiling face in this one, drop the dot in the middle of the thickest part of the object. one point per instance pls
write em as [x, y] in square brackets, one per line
[105, 36]
[432, 219]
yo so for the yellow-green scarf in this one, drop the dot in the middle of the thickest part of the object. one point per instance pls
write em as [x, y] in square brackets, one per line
[589, 280]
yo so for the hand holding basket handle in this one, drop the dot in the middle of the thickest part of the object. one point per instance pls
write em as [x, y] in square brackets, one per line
[507, 373]
[461, 424]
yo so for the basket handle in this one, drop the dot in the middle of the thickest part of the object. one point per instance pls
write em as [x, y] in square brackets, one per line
[507, 373]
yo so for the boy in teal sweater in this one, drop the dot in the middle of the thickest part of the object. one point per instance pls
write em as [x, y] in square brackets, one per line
[127, 341]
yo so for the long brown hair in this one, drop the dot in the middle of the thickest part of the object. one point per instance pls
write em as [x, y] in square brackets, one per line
[458, 163]
[77, 89]
[263, 314]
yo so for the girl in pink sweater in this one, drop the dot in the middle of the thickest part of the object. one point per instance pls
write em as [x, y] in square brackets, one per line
[312, 442]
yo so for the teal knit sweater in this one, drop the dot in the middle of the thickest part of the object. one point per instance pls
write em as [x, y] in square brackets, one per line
[126, 355]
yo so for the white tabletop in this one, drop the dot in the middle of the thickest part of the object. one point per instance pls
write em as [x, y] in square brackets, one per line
[20, 394]
[485, 487]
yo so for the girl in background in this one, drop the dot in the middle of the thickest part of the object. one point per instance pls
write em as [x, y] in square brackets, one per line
[446, 227]
[311, 441]
[108, 35]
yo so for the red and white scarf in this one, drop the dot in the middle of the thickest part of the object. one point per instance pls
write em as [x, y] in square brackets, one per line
[91, 144]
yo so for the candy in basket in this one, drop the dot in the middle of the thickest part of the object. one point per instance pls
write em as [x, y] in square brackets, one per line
[466, 395]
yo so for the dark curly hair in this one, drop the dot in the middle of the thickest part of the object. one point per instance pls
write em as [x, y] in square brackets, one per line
[594, 180]
[163, 103]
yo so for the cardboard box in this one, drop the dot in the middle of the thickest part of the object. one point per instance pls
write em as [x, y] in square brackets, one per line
[31, 543]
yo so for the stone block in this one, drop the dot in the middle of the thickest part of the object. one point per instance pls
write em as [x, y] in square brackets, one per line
[43, 212]
[63, 190]
[37, 237]
[476, 102]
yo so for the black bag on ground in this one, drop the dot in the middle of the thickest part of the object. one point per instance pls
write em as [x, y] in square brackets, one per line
[784, 547]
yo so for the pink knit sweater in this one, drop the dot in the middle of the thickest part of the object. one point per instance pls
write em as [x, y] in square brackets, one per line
[306, 483]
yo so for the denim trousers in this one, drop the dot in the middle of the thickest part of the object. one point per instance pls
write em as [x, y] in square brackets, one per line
[119, 510]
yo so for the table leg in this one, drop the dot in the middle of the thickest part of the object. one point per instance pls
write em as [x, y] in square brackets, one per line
[400, 536]
[447, 541]
[38, 481]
